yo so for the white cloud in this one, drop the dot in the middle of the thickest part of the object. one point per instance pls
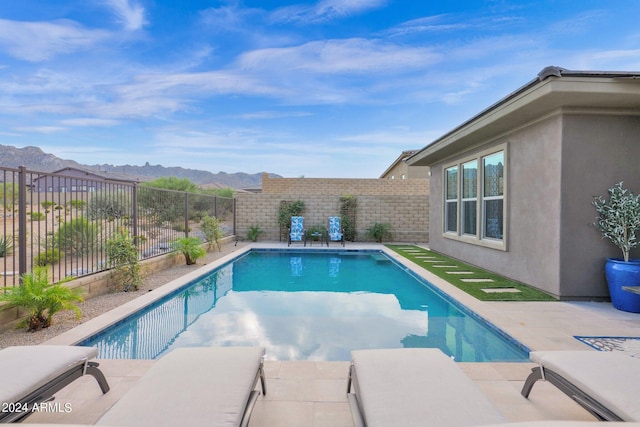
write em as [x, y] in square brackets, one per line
[88, 121]
[40, 41]
[129, 13]
[325, 10]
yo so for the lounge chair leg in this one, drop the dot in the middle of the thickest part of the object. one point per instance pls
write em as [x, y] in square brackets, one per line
[535, 375]
[92, 369]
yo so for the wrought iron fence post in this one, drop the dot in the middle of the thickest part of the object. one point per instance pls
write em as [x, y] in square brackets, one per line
[22, 220]
[134, 213]
[186, 214]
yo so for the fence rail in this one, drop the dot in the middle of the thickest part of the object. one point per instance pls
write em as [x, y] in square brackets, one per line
[63, 221]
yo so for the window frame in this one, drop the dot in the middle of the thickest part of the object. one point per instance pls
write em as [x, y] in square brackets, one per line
[479, 238]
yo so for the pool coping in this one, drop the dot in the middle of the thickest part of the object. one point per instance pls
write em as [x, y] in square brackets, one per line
[468, 304]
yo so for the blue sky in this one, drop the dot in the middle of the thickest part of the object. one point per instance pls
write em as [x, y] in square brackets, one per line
[326, 88]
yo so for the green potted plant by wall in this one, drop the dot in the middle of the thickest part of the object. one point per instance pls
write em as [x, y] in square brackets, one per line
[619, 221]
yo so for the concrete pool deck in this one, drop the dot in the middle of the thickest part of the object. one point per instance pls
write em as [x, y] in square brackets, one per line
[314, 393]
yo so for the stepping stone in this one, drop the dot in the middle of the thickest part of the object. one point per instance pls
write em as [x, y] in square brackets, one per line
[478, 281]
[446, 266]
[500, 290]
[433, 260]
[459, 272]
[425, 257]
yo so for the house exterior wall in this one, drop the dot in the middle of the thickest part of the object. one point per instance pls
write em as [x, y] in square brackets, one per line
[532, 208]
[402, 203]
[554, 168]
[598, 151]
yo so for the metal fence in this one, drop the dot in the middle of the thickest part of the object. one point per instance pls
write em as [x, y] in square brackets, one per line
[64, 220]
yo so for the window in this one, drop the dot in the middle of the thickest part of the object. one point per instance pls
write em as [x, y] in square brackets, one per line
[469, 197]
[451, 199]
[474, 204]
[493, 195]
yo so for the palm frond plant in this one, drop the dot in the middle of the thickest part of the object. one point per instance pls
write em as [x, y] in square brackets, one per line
[41, 299]
[6, 245]
[191, 248]
[254, 232]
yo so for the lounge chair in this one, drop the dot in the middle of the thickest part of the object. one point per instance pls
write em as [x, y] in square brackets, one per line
[336, 233]
[212, 386]
[30, 375]
[607, 384]
[414, 387]
[297, 232]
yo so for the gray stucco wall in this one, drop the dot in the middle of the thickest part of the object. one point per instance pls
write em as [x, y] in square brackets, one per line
[598, 151]
[532, 203]
[554, 168]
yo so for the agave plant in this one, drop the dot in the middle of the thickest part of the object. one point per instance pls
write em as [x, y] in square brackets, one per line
[619, 218]
[42, 299]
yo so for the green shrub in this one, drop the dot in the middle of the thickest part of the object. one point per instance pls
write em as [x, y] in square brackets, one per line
[254, 232]
[77, 204]
[46, 205]
[122, 255]
[108, 206]
[41, 299]
[191, 248]
[287, 210]
[379, 231]
[48, 257]
[210, 226]
[78, 236]
[37, 216]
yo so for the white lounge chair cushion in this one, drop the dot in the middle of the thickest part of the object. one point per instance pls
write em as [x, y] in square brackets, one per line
[191, 387]
[546, 423]
[23, 369]
[611, 378]
[418, 387]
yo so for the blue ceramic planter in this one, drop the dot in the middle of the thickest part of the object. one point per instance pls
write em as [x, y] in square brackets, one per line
[619, 274]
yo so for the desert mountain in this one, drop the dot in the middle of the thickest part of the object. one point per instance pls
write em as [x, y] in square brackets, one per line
[33, 158]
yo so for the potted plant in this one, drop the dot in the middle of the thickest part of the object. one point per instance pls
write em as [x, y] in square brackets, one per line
[619, 221]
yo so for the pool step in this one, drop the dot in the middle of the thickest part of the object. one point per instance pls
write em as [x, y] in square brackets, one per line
[380, 258]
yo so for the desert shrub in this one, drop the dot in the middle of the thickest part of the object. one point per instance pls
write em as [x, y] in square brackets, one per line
[107, 206]
[78, 236]
[6, 245]
[48, 257]
[122, 255]
[37, 216]
[210, 226]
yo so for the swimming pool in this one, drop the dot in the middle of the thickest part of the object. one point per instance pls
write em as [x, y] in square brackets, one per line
[308, 305]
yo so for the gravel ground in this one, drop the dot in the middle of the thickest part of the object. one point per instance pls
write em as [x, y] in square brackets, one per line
[63, 321]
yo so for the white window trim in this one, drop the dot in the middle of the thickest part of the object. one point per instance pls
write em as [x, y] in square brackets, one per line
[478, 239]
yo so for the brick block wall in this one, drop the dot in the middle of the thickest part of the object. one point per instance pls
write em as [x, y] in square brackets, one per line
[342, 186]
[402, 203]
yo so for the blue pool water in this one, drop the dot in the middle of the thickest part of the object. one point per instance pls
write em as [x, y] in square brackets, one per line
[308, 306]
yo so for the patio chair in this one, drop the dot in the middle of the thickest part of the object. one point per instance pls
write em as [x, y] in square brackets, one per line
[605, 383]
[30, 375]
[213, 386]
[336, 233]
[414, 387]
[297, 232]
